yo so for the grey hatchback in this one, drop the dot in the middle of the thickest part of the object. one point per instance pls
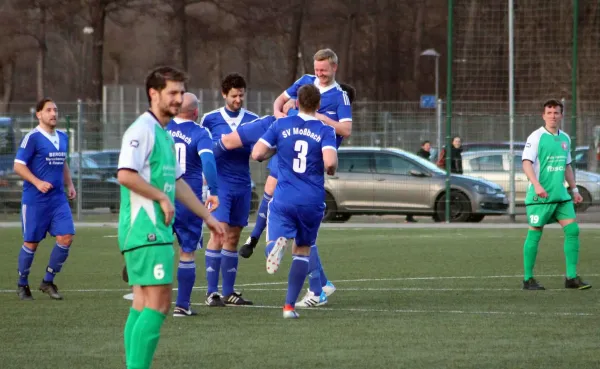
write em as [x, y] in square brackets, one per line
[376, 181]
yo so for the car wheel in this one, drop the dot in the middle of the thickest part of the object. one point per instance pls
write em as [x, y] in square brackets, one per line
[460, 207]
[342, 217]
[330, 208]
[475, 218]
[114, 209]
[587, 200]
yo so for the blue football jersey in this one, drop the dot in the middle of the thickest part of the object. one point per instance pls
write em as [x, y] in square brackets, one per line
[191, 141]
[334, 101]
[233, 166]
[300, 141]
[44, 154]
[252, 131]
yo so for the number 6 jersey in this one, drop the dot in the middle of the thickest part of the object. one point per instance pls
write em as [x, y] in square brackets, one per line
[299, 141]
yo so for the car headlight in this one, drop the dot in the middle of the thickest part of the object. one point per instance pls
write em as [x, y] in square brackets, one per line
[483, 189]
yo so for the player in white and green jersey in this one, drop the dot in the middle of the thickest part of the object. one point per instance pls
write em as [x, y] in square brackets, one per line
[547, 164]
[150, 182]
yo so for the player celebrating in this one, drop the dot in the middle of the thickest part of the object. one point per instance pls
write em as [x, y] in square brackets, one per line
[40, 161]
[193, 148]
[547, 164]
[150, 181]
[306, 149]
[235, 194]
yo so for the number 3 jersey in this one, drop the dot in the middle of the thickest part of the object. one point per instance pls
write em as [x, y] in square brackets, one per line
[550, 155]
[149, 150]
[299, 141]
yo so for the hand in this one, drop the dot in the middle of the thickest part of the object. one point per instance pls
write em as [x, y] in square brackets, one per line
[216, 228]
[167, 208]
[577, 198]
[44, 187]
[290, 104]
[212, 203]
[279, 114]
[540, 192]
[330, 171]
[71, 193]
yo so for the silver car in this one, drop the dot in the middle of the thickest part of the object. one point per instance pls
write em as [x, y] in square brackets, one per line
[372, 180]
[494, 165]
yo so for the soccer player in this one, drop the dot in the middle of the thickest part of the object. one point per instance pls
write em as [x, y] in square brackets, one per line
[193, 149]
[150, 181]
[40, 161]
[306, 149]
[235, 194]
[547, 164]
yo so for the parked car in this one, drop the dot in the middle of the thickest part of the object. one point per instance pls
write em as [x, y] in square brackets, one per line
[97, 192]
[494, 165]
[377, 181]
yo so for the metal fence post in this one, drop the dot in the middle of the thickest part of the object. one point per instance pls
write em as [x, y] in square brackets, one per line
[80, 168]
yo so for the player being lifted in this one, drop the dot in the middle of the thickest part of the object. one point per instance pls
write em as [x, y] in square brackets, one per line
[547, 164]
[335, 111]
[193, 148]
[306, 149]
[40, 161]
[235, 194]
[150, 179]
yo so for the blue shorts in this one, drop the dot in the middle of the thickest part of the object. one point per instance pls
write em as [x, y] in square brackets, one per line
[53, 217]
[294, 221]
[273, 166]
[188, 229]
[234, 206]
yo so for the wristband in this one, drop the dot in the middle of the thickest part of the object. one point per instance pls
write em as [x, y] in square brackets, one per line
[575, 190]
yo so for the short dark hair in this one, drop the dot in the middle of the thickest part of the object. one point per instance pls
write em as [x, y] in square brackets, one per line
[233, 80]
[350, 91]
[552, 103]
[40, 105]
[157, 78]
[309, 98]
[425, 142]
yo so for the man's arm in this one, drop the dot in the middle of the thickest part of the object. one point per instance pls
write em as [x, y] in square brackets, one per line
[261, 151]
[134, 182]
[530, 173]
[343, 129]
[23, 171]
[570, 178]
[330, 160]
[69, 181]
[278, 105]
[185, 195]
[231, 141]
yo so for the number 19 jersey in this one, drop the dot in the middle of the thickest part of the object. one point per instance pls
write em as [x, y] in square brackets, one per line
[299, 141]
[550, 155]
[149, 150]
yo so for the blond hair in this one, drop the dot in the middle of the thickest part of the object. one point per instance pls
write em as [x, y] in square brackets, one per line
[326, 54]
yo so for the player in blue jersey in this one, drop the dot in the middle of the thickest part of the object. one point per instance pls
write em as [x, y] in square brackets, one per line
[41, 162]
[235, 194]
[306, 150]
[193, 149]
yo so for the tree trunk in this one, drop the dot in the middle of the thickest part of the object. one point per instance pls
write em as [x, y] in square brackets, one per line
[8, 79]
[344, 68]
[294, 48]
[94, 89]
[41, 55]
[180, 25]
[418, 48]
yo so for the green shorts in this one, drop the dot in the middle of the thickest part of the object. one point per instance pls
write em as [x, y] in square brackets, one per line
[150, 265]
[539, 215]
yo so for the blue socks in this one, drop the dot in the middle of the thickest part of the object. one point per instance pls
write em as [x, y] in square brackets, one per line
[58, 256]
[314, 268]
[186, 276]
[261, 219]
[212, 262]
[25, 260]
[298, 272]
[229, 270]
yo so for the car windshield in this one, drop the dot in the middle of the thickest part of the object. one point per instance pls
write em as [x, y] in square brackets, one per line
[426, 163]
[106, 159]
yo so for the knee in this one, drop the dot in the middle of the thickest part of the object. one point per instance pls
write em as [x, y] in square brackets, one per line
[65, 240]
[187, 256]
[571, 230]
[31, 245]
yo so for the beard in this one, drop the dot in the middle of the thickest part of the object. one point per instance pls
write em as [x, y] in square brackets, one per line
[170, 110]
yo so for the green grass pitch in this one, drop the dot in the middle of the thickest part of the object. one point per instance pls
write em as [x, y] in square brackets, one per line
[406, 298]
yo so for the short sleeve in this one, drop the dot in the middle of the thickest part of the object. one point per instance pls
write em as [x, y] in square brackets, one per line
[329, 141]
[26, 150]
[270, 136]
[204, 141]
[531, 147]
[344, 110]
[292, 91]
[135, 147]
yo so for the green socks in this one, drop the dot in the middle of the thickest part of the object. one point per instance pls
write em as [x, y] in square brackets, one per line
[133, 317]
[530, 249]
[571, 248]
[143, 339]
